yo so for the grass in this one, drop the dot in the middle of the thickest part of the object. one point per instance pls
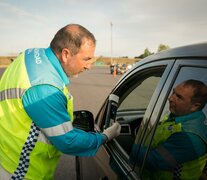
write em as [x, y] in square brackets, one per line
[6, 60]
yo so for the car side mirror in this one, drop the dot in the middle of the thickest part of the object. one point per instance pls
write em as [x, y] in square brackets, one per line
[83, 120]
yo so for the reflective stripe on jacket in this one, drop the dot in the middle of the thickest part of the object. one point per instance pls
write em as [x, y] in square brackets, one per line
[189, 170]
[25, 151]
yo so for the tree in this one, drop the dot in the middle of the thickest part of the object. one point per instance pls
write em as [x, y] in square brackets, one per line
[162, 47]
[145, 54]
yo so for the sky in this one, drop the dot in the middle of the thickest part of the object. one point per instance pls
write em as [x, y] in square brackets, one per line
[136, 24]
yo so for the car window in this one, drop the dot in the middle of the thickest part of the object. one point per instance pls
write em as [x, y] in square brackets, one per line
[139, 98]
[134, 100]
[183, 74]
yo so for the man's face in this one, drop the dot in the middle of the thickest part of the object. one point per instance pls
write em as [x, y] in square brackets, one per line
[180, 100]
[74, 64]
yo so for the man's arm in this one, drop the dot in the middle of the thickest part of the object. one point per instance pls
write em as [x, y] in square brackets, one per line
[47, 107]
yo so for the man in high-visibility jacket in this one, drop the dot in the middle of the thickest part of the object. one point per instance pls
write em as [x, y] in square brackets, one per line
[36, 108]
[179, 145]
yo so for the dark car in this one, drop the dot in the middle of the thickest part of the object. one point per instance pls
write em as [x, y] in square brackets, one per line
[142, 92]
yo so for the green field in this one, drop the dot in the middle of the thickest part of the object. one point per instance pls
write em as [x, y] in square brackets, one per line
[6, 60]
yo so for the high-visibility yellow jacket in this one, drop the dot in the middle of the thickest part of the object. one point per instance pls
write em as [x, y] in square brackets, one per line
[25, 151]
[191, 170]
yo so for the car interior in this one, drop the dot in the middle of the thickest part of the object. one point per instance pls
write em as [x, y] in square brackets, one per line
[130, 121]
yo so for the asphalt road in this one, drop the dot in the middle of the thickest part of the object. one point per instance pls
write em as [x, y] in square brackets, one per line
[89, 91]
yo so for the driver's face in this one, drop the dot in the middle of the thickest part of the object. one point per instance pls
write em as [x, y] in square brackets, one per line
[180, 100]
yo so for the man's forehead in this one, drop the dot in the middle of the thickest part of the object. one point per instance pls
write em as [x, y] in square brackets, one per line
[183, 89]
[183, 85]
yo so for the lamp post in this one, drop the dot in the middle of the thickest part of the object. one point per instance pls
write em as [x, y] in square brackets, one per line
[111, 43]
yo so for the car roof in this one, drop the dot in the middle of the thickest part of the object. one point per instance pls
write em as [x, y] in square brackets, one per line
[189, 51]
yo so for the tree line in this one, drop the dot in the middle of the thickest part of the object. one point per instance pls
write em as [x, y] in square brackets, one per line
[147, 52]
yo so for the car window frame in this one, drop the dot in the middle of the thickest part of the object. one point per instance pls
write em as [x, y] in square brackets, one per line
[113, 147]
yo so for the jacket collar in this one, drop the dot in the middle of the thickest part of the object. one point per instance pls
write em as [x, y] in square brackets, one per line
[56, 64]
[191, 116]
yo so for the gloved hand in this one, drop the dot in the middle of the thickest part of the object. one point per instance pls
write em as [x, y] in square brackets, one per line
[112, 131]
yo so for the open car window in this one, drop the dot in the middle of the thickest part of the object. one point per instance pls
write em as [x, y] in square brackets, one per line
[134, 99]
[132, 108]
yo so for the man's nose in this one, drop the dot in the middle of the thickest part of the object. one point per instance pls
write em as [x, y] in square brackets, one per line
[88, 66]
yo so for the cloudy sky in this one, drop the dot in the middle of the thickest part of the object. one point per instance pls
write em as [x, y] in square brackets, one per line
[137, 24]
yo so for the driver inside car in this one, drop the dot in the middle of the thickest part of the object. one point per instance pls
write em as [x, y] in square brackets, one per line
[179, 145]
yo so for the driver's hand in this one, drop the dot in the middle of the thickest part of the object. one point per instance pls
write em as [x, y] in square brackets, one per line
[112, 131]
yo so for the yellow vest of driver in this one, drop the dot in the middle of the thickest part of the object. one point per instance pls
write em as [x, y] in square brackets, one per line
[25, 151]
[191, 170]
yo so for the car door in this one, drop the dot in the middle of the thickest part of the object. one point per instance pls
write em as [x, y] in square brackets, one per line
[138, 92]
[182, 70]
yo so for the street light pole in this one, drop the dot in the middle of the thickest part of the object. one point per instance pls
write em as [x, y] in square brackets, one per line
[111, 43]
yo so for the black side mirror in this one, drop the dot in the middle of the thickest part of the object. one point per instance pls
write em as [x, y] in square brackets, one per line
[83, 120]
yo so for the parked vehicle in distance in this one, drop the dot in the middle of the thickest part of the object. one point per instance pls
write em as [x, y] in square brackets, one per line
[113, 67]
[123, 68]
[143, 92]
[120, 68]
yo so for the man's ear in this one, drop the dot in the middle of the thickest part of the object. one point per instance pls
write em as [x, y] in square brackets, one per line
[65, 54]
[195, 107]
